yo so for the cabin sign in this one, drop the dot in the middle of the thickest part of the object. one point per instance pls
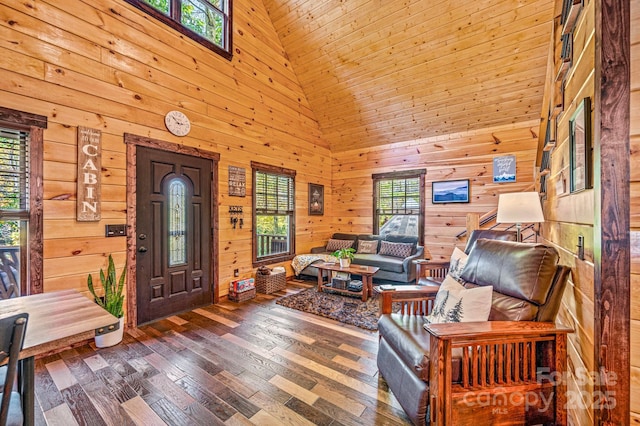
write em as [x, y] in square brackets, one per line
[89, 175]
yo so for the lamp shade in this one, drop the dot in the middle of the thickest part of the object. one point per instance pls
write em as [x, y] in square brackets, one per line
[519, 207]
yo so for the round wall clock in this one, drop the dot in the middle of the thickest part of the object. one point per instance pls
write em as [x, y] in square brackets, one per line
[177, 123]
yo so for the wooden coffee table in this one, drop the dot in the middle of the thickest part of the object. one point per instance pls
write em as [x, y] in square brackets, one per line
[366, 272]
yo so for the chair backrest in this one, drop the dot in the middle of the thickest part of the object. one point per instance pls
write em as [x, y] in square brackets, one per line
[490, 234]
[12, 332]
[9, 285]
[527, 281]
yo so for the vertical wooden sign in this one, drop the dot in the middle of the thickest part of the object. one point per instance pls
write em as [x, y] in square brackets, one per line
[89, 174]
[237, 181]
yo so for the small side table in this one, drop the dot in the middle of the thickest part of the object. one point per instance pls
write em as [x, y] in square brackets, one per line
[412, 297]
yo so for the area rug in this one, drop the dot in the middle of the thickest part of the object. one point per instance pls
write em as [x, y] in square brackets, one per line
[349, 310]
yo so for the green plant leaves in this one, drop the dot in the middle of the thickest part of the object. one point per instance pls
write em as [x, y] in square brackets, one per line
[113, 299]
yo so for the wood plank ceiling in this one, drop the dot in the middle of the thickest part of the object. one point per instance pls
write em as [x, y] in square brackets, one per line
[380, 71]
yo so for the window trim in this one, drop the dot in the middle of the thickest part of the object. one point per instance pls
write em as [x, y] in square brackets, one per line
[404, 174]
[281, 257]
[32, 255]
[226, 52]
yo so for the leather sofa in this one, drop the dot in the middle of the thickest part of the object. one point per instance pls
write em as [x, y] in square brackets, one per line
[442, 373]
[392, 269]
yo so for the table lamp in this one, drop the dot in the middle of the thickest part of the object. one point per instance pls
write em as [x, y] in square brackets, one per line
[519, 208]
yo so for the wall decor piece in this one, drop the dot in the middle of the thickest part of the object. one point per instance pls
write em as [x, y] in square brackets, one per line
[89, 175]
[504, 169]
[580, 147]
[237, 181]
[316, 199]
[450, 191]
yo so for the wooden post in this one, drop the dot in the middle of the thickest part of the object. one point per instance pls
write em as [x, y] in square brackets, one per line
[612, 207]
[473, 222]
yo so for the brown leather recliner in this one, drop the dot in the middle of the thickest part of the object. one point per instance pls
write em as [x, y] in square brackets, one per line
[452, 373]
[427, 269]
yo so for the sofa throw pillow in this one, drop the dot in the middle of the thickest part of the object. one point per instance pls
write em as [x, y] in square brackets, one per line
[368, 246]
[457, 263]
[334, 245]
[454, 303]
[395, 249]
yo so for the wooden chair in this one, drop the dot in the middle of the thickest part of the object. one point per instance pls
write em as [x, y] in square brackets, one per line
[502, 371]
[427, 270]
[12, 331]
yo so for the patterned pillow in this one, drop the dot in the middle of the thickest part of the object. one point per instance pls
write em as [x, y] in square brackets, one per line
[457, 263]
[334, 245]
[368, 246]
[455, 303]
[396, 249]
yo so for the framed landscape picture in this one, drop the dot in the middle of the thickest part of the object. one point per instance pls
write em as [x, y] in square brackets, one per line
[450, 191]
[316, 199]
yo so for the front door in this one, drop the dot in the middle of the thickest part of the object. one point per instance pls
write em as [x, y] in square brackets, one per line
[173, 233]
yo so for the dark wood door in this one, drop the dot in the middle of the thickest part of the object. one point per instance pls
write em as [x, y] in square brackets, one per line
[173, 233]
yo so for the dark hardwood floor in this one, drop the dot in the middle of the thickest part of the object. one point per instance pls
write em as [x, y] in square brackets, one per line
[233, 363]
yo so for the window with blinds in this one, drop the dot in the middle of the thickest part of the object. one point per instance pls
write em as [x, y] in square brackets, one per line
[21, 209]
[399, 203]
[274, 214]
[14, 209]
[14, 173]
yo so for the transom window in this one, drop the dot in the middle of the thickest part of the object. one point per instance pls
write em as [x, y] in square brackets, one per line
[399, 203]
[20, 202]
[274, 214]
[206, 21]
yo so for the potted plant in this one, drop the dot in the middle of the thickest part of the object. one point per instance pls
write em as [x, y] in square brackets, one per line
[345, 255]
[111, 301]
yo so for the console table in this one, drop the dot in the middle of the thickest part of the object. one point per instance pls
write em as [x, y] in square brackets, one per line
[366, 272]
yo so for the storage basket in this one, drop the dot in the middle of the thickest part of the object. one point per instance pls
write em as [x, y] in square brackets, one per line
[267, 284]
[242, 296]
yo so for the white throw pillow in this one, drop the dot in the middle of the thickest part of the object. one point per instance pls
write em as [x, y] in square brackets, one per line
[454, 303]
[457, 263]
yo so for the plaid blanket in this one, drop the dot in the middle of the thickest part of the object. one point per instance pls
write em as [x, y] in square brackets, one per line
[301, 261]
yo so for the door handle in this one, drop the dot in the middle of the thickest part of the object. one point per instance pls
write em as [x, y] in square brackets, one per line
[142, 249]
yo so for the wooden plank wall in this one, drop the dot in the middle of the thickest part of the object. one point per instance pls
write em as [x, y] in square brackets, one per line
[569, 215]
[466, 155]
[635, 212]
[103, 64]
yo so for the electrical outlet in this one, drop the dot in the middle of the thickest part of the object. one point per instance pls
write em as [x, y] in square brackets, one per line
[236, 272]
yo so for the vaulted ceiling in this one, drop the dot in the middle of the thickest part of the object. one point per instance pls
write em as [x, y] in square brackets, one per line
[382, 71]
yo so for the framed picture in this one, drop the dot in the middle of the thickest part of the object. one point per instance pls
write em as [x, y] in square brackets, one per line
[580, 147]
[504, 169]
[450, 191]
[316, 199]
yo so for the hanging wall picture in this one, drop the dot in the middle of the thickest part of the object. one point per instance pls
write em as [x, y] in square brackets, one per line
[316, 199]
[237, 181]
[504, 169]
[580, 147]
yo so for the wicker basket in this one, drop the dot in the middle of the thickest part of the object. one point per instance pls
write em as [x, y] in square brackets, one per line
[242, 296]
[267, 284]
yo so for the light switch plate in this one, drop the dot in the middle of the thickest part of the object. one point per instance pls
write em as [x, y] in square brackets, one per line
[115, 230]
